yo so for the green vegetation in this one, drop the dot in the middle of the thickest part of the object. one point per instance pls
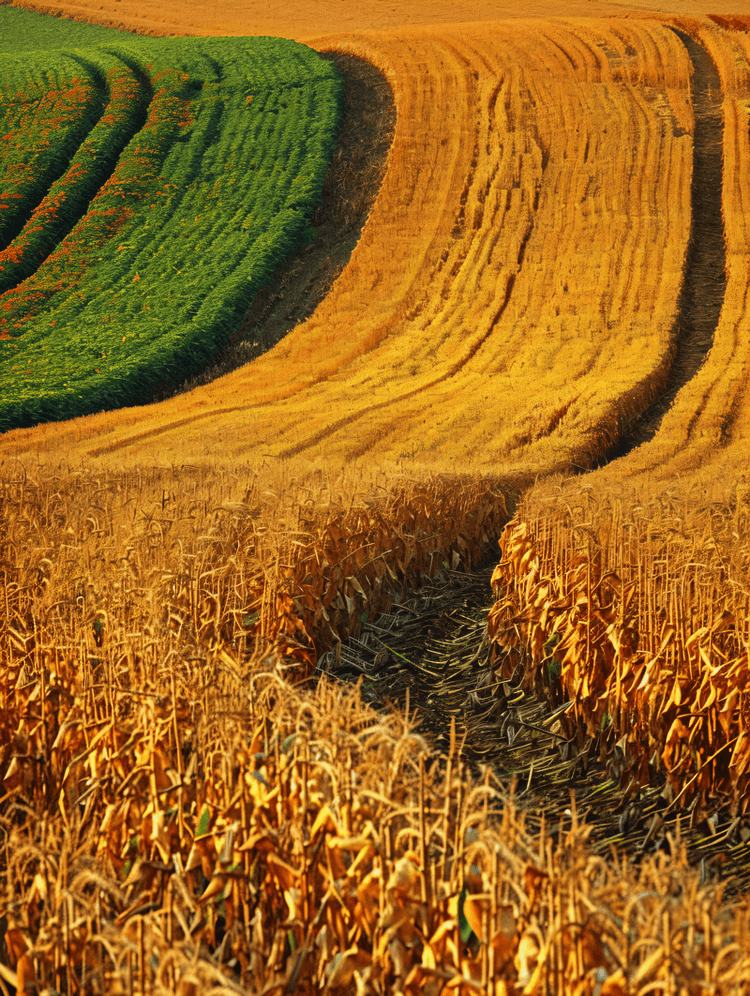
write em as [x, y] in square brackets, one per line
[25, 31]
[68, 197]
[198, 208]
[45, 111]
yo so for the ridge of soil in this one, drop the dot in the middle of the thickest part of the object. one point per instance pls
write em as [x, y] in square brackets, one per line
[349, 191]
[704, 281]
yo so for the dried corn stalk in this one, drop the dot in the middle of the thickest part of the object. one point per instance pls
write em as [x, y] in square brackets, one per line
[642, 627]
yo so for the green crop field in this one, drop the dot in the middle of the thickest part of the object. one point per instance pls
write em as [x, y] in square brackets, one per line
[148, 189]
[26, 31]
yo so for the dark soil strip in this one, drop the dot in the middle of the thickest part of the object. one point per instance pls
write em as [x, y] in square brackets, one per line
[430, 654]
[351, 186]
[704, 282]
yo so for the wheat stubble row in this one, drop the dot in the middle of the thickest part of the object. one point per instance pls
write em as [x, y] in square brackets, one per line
[653, 550]
[708, 425]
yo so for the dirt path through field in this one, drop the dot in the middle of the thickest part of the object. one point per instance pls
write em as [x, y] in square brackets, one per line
[702, 295]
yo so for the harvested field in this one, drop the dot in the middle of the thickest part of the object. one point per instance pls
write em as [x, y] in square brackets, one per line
[706, 425]
[189, 803]
[304, 20]
[704, 283]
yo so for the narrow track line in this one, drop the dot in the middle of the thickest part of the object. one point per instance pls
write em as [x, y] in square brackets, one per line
[431, 652]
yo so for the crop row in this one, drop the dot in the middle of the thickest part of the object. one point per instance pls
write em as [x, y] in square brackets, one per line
[67, 198]
[46, 112]
[708, 426]
[634, 605]
[209, 196]
[634, 625]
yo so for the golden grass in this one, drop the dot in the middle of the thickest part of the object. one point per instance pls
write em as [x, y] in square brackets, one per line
[645, 604]
[181, 812]
[638, 581]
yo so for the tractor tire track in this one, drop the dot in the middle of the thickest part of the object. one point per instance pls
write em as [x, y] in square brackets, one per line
[431, 651]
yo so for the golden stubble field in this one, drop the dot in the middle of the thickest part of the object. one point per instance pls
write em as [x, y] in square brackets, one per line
[186, 805]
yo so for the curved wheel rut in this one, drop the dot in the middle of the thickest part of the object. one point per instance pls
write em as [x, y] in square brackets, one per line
[430, 657]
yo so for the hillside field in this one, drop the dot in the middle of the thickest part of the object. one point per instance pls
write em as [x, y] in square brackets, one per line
[538, 338]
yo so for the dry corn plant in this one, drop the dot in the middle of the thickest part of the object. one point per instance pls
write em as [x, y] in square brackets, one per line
[636, 612]
[97, 565]
[292, 841]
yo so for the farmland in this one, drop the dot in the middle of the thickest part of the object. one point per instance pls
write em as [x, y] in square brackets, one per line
[466, 303]
[82, 326]
[538, 338]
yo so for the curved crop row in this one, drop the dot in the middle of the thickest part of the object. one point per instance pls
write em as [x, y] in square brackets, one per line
[46, 112]
[534, 219]
[206, 200]
[67, 198]
[631, 597]
[624, 610]
[709, 422]
[116, 202]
